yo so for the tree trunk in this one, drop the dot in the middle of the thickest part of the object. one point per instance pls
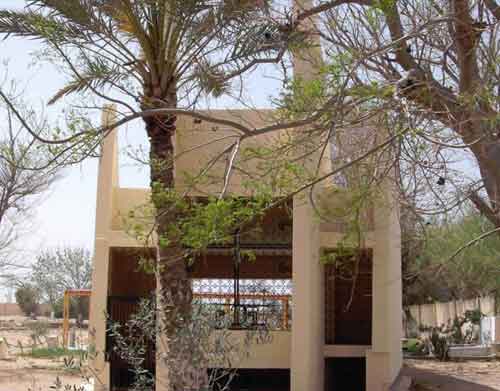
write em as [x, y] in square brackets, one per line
[487, 154]
[174, 294]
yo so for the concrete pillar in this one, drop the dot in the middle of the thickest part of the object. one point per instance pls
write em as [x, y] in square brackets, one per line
[98, 311]
[307, 345]
[384, 360]
[107, 180]
[307, 61]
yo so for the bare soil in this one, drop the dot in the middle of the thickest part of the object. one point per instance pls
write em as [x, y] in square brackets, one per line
[20, 372]
[454, 375]
[34, 380]
[24, 373]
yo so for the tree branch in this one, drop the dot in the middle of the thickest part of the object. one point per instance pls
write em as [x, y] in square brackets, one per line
[484, 208]
[466, 38]
[472, 242]
[493, 7]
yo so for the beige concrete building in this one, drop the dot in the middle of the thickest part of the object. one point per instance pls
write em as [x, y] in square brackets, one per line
[327, 333]
[320, 343]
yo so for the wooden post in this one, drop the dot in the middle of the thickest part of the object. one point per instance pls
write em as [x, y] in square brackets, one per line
[66, 320]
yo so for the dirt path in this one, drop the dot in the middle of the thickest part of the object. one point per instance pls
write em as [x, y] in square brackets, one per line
[33, 380]
[455, 376]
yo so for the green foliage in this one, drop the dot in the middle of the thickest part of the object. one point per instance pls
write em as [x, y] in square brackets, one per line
[414, 345]
[78, 306]
[56, 270]
[300, 96]
[50, 353]
[340, 254]
[474, 271]
[27, 298]
[198, 223]
[216, 221]
[35, 25]
[385, 6]
[373, 90]
[208, 344]
[283, 174]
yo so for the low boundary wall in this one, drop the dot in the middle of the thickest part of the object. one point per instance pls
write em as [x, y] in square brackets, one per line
[437, 314]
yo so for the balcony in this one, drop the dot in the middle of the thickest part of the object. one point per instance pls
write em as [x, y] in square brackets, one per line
[254, 311]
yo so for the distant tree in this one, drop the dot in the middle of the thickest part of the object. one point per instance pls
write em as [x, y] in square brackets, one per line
[26, 172]
[27, 298]
[451, 264]
[59, 269]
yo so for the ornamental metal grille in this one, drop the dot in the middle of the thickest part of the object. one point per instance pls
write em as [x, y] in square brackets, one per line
[262, 303]
[247, 286]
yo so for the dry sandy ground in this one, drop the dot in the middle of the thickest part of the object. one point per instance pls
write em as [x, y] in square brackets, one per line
[29, 374]
[34, 380]
[431, 376]
[21, 373]
[22, 335]
[455, 376]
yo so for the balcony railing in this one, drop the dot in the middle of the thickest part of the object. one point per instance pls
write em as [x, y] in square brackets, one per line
[253, 310]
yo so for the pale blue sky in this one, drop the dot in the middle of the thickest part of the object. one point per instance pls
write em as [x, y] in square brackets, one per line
[66, 215]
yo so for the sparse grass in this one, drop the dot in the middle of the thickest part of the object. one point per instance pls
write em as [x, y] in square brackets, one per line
[51, 353]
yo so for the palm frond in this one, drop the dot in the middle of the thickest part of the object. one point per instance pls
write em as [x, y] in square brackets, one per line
[78, 11]
[96, 76]
[71, 87]
[211, 80]
[36, 25]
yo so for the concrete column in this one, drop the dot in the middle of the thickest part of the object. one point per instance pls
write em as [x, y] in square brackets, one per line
[385, 357]
[307, 357]
[107, 179]
[98, 311]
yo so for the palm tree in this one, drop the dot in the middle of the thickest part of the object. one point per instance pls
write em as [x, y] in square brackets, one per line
[155, 53]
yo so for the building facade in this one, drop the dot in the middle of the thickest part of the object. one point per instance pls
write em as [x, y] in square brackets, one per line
[330, 336]
[328, 332]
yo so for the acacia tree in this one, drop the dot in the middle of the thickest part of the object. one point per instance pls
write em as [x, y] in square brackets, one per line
[433, 60]
[154, 59]
[443, 273]
[59, 269]
[21, 185]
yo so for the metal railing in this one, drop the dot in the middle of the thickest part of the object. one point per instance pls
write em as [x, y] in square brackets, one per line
[253, 310]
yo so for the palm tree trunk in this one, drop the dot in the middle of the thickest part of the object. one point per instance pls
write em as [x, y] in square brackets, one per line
[174, 294]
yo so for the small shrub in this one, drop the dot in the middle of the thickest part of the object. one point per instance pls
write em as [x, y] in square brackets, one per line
[38, 329]
[27, 299]
[78, 306]
[458, 331]
[414, 345]
[440, 344]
